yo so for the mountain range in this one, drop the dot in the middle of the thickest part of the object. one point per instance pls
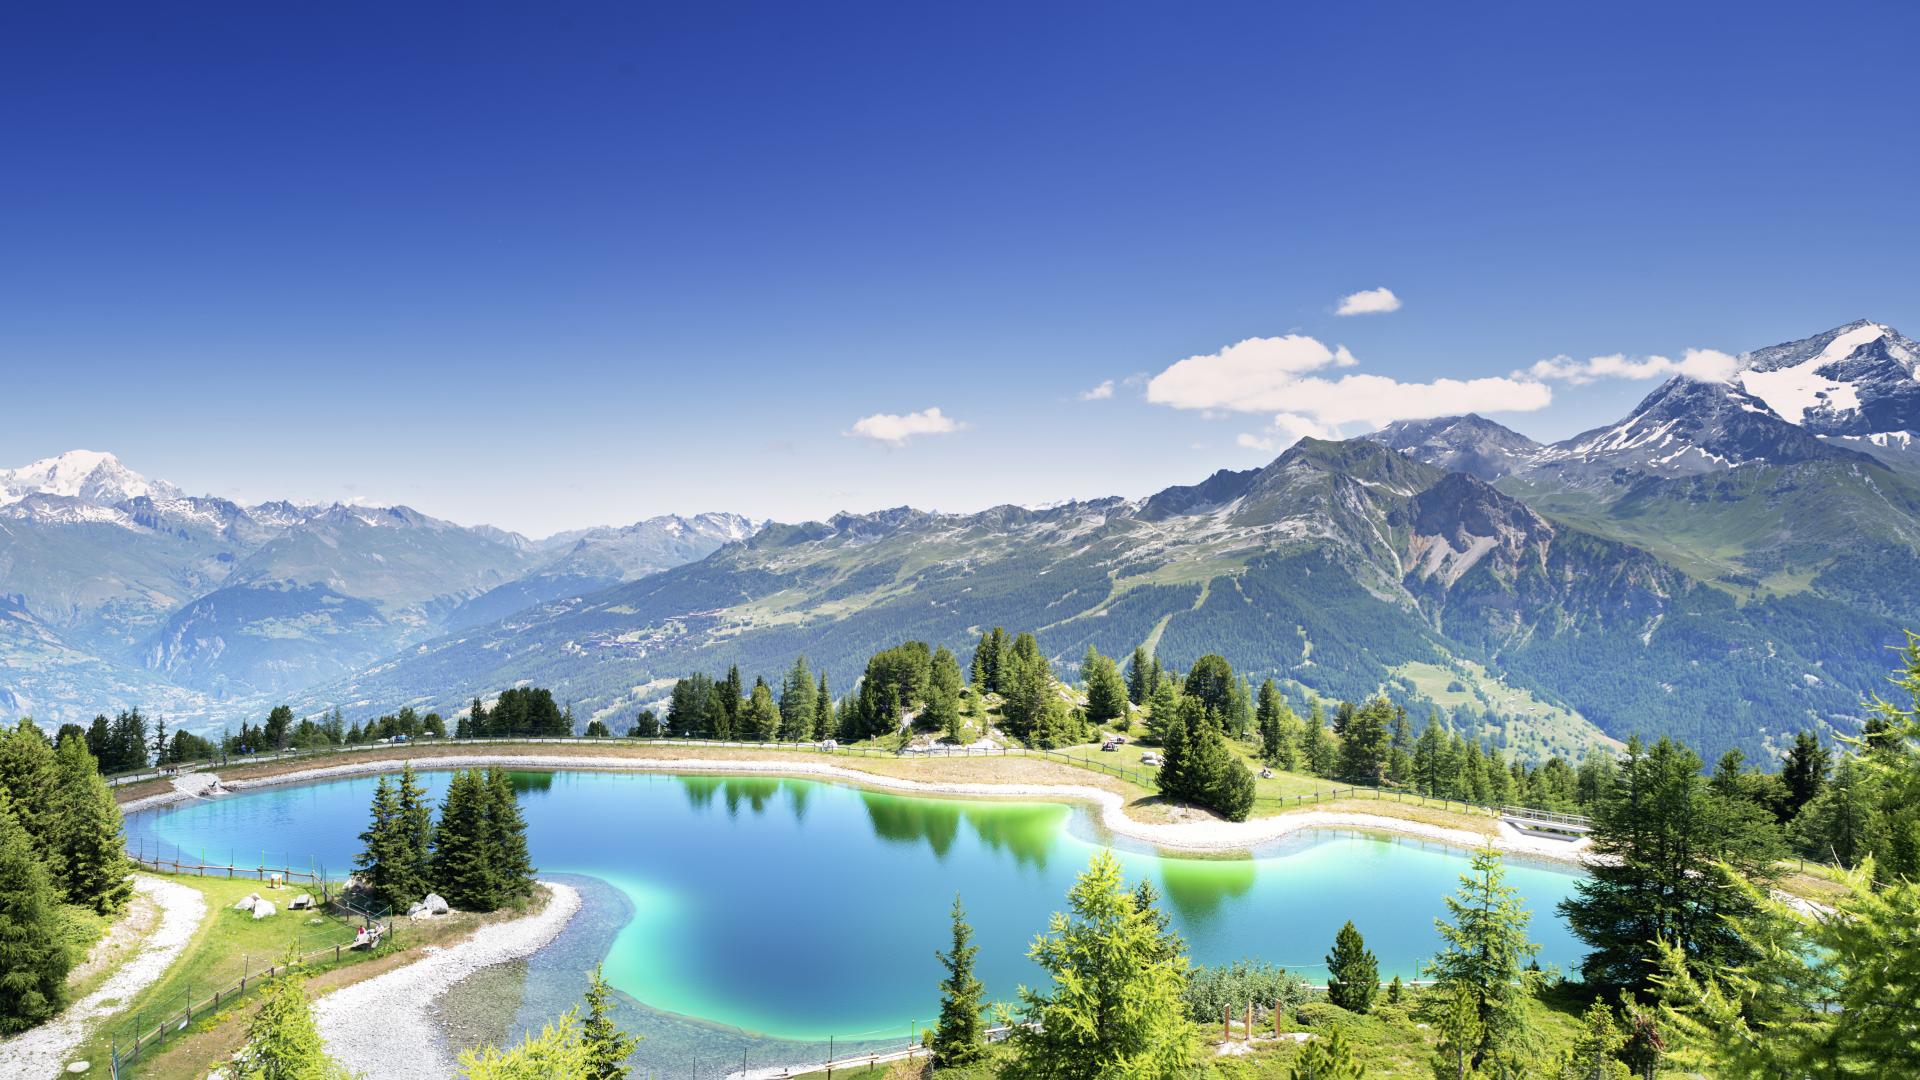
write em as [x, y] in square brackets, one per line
[1727, 563]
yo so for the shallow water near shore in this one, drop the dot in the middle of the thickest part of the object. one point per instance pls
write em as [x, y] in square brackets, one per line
[745, 914]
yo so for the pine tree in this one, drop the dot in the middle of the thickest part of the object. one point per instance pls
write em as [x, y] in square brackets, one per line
[283, 1042]
[1655, 837]
[1114, 1007]
[88, 842]
[1163, 705]
[1317, 746]
[1486, 956]
[413, 817]
[1353, 973]
[959, 1038]
[608, 1047]
[33, 957]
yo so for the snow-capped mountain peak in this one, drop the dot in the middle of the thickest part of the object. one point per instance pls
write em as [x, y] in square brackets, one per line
[91, 476]
[1853, 380]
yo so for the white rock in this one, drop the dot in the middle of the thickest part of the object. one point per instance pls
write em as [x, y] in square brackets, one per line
[263, 909]
[435, 904]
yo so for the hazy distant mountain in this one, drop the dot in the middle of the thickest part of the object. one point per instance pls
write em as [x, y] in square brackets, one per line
[228, 605]
[1470, 444]
[87, 475]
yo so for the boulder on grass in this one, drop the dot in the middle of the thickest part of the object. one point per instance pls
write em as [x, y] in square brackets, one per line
[263, 909]
[246, 902]
[435, 904]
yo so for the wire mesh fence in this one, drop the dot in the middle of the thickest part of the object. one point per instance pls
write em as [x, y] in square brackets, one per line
[334, 925]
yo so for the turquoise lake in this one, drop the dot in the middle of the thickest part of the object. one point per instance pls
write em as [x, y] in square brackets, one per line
[794, 910]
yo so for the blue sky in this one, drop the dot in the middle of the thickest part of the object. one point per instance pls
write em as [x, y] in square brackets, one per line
[552, 267]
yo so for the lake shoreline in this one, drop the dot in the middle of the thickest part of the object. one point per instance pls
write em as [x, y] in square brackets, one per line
[1209, 835]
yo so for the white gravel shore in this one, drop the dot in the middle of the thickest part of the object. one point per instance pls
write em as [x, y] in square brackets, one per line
[1208, 834]
[44, 1051]
[384, 1028]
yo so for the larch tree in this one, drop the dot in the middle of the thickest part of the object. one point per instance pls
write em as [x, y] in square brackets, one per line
[283, 1042]
[1825, 994]
[1487, 957]
[1112, 1010]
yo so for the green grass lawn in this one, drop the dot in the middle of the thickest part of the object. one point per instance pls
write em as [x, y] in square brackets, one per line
[228, 944]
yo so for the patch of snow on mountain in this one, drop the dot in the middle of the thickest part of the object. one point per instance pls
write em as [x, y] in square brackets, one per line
[1792, 391]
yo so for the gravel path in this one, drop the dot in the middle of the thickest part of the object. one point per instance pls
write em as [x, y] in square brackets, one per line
[45, 1050]
[384, 1028]
[1198, 834]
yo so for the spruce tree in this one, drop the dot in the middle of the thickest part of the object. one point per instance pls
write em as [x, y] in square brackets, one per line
[759, 717]
[33, 957]
[1106, 693]
[1364, 742]
[413, 822]
[608, 1047]
[1174, 781]
[380, 864]
[507, 839]
[462, 870]
[797, 703]
[1139, 677]
[30, 773]
[88, 842]
[1804, 771]
[1353, 973]
[823, 718]
[958, 1040]
[1267, 720]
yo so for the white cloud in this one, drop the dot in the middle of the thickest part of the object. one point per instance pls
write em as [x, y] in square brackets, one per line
[1098, 393]
[1276, 375]
[1286, 429]
[895, 430]
[1248, 376]
[1705, 365]
[1369, 302]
